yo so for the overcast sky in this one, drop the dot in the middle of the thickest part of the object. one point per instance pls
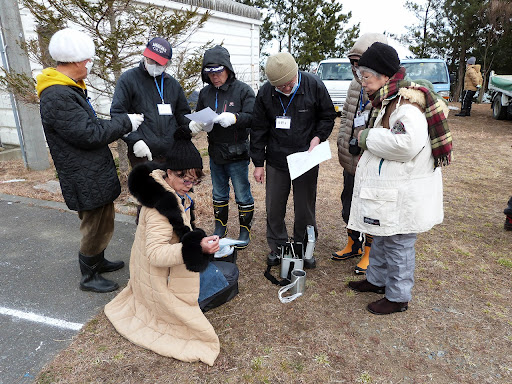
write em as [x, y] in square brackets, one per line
[380, 15]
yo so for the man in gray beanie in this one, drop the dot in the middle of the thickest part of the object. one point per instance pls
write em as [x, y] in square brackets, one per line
[472, 82]
[354, 118]
[293, 113]
[78, 142]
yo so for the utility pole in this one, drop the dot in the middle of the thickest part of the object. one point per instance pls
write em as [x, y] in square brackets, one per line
[33, 141]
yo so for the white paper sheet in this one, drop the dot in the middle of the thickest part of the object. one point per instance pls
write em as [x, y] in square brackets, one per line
[301, 162]
[204, 116]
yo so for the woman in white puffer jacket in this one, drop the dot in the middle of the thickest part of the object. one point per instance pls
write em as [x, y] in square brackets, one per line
[398, 189]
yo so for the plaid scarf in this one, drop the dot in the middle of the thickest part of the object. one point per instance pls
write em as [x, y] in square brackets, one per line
[440, 135]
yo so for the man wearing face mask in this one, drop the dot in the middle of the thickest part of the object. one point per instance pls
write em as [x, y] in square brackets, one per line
[148, 90]
[78, 142]
[293, 113]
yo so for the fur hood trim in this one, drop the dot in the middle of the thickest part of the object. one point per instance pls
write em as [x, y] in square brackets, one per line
[146, 183]
[418, 97]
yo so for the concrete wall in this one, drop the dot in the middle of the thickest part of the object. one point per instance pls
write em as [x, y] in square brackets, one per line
[232, 24]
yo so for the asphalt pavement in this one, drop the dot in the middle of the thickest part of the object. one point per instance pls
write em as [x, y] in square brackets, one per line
[41, 305]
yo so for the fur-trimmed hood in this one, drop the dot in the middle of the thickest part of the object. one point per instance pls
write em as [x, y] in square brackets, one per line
[416, 96]
[147, 184]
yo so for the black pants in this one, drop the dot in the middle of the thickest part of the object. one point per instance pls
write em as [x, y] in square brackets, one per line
[346, 195]
[467, 100]
[278, 188]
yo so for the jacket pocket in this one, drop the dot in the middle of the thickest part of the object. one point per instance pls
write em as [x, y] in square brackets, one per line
[379, 207]
[235, 151]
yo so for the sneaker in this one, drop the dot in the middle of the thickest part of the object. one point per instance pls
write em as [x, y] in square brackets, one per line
[386, 307]
[273, 258]
[365, 286]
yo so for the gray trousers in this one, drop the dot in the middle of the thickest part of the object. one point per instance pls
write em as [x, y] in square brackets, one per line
[278, 187]
[392, 263]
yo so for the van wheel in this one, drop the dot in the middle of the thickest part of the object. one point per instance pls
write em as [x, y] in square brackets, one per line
[498, 111]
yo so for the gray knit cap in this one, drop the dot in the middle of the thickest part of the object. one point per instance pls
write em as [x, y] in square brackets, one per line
[281, 68]
[472, 60]
[364, 42]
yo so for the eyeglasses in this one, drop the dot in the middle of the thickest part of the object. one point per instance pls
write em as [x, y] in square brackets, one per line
[363, 78]
[189, 183]
[289, 84]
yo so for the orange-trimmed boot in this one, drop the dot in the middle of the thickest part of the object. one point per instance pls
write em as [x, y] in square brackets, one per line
[352, 249]
[361, 267]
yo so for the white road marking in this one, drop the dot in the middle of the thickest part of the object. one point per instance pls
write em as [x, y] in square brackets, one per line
[41, 319]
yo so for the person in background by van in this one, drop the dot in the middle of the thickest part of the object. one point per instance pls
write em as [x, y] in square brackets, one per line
[472, 82]
[354, 118]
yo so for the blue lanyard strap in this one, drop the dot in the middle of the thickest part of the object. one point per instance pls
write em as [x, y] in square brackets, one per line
[191, 202]
[282, 105]
[90, 105]
[160, 90]
[361, 105]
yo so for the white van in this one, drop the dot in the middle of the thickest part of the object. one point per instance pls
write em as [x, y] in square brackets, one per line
[336, 75]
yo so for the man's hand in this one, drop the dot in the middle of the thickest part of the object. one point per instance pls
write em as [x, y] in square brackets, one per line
[136, 120]
[259, 174]
[225, 119]
[314, 142]
[141, 149]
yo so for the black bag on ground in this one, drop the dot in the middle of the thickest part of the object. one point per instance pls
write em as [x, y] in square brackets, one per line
[231, 273]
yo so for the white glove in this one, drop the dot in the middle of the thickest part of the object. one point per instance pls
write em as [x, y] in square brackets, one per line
[195, 127]
[136, 120]
[225, 119]
[141, 149]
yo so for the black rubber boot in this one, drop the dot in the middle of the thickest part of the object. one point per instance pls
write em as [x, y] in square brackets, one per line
[91, 279]
[245, 215]
[109, 266]
[462, 113]
[221, 210]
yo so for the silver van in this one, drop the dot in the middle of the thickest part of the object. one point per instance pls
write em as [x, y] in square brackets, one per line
[433, 70]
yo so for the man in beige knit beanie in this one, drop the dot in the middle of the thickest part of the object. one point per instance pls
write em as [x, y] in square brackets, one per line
[293, 113]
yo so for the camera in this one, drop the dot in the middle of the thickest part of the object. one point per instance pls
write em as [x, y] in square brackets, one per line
[353, 147]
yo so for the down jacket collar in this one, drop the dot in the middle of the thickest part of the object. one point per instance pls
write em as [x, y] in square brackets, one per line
[146, 183]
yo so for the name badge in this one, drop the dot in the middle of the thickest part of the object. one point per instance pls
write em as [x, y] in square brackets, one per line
[283, 122]
[359, 121]
[164, 109]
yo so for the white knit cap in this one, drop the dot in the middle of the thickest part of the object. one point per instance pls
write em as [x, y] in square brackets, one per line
[71, 46]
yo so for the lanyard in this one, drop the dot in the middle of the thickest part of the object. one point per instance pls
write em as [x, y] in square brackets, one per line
[183, 201]
[361, 105]
[160, 91]
[90, 105]
[225, 103]
[282, 105]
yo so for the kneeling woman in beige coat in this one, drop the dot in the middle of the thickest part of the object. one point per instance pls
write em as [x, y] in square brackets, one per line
[159, 307]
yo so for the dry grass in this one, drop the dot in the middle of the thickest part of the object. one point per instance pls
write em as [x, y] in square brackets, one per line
[457, 328]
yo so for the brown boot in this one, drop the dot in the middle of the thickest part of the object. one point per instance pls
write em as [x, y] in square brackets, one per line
[365, 286]
[386, 307]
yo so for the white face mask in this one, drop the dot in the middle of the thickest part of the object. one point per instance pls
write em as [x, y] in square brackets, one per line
[88, 66]
[154, 69]
[293, 90]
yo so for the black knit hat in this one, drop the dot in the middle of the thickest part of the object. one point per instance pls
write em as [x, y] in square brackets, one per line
[183, 154]
[382, 58]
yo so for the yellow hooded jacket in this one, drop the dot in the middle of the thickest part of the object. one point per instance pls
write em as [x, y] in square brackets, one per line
[50, 76]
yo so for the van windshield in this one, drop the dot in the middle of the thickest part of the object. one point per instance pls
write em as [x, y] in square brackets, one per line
[335, 71]
[433, 72]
